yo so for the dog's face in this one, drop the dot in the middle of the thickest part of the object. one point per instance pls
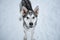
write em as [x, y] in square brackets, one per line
[30, 17]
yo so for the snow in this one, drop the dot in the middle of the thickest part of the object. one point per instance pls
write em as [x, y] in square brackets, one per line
[48, 26]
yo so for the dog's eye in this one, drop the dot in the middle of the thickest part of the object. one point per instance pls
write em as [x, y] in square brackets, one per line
[33, 17]
[27, 17]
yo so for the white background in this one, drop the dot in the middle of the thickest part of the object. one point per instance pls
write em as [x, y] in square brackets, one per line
[48, 26]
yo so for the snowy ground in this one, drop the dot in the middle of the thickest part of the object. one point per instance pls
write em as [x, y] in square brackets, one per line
[48, 26]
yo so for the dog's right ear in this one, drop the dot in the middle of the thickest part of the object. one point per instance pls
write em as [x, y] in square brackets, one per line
[24, 10]
[36, 10]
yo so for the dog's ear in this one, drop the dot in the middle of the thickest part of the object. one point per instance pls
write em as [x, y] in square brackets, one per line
[24, 10]
[36, 10]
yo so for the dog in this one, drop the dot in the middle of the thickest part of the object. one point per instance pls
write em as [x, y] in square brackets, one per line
[29, 18]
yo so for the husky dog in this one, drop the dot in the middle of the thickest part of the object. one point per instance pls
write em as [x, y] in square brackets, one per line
[29, 17]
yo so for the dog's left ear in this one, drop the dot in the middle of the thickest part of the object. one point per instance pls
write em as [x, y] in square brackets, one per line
[24, 10]
[36, 10]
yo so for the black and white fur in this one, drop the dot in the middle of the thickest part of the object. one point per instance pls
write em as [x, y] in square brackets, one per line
[29, 18]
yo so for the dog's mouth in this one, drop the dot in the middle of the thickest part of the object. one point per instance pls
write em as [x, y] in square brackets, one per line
[31, 26]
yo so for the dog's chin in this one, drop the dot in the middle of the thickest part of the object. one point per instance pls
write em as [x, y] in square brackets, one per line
[31, 26]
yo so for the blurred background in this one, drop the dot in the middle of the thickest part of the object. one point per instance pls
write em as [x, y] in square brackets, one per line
[48, 26]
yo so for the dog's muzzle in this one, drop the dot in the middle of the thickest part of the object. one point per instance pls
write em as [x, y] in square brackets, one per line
[31, 24]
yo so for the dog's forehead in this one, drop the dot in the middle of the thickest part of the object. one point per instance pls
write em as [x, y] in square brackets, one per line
[30, 14]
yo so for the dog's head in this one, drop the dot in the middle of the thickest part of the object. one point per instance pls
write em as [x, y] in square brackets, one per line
[30, 17]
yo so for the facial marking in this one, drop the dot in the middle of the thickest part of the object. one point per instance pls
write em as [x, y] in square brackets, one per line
[30, 19]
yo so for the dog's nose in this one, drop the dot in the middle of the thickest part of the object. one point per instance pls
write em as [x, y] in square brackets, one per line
[31, 23]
